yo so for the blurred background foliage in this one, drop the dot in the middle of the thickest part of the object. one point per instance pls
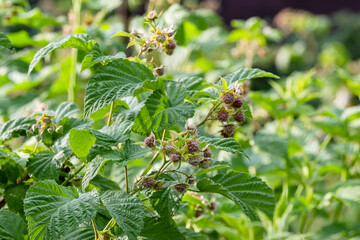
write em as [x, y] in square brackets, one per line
[304, 138]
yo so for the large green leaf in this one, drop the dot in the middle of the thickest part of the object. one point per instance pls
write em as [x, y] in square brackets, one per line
[81, 142]
[14, 197]
[81, 233]
[53, 210]
[163, 109]
[246, 73]
[46, 165]
[127, 210]
[80, 41]
[15, 128]
[161, 229]
[111, 135]
[244, 190]
[12, 226]
[118, 79]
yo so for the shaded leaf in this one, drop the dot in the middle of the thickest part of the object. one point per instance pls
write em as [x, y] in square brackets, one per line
[46, 165]
[12, 226]
[15, 128]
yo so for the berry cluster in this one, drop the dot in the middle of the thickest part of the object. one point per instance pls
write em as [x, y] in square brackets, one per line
[44, 128]
[230, 112]
[151, 183]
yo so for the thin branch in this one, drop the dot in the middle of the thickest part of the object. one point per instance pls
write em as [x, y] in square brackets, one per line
[209, 114]
[110, 113]
[126, 180]
[73, 175]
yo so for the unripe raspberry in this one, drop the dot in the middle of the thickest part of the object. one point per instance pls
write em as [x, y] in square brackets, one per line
[150, 141]
[180, 187]
[193, 146]
[148, 183]
[207, 153]
[194, 161]
[228, 98]
[212, 206]
[191, 180]
[238, 102]
[158, 185]
[175, 157]
[29, 133]
[167, 149]
[205, 164]
[228, 131]
[223, 116]
[239, 117]
[159, 71]
[169, 51]
[46, 120]
[171, 44]
[190, 127]
[161, 38]
[50, 130]
[38, 138]
[151, 15]
[199, 210]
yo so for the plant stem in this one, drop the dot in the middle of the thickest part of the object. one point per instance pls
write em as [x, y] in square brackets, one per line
[37, 145]
[337, 211]
[74, 52]
[110, 113]
[109, 225]
[73, 175]
[148, 167]
[209, 114]
[126, 180]
[94, 227]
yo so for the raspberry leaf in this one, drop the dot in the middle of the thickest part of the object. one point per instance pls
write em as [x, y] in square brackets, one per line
[245, 74]
[16, 127]
[46, 165]
[81, 142]
[161, 229]
[246, 191]
[127, 210]
[53, 210]
[12, 226]
[116, 80]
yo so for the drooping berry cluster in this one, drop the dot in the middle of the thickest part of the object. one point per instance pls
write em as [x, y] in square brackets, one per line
[230, 111]
[44, 128]
[151, 183]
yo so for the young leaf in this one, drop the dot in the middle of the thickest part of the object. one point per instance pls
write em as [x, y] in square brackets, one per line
[163, 109]
[246, 73]
[81, 142]
[118, 79]
[112, 135]
[244, 190]
[12, 226]
[166, 202]
[46, 165]
[80, 41]
[53, 210]
[16, 127]
[128, 211]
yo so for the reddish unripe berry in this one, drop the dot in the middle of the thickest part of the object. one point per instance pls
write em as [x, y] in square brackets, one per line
[223, 116]
[158, 185]
[175, 157]
[148, 183]
[228, 131]
[238, 102]
[194, 161]
[150, 141]
[181, 187]
[207, 153]
[171, 44]
[212, 206]
[193, 146]
[228, 98]
[239, 117]
[205, 164]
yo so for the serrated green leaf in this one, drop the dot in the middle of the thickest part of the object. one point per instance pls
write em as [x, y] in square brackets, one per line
[12, 226]
[189, 234]
[246, 73]
[163, 109]
[272, 144]
[15, 128]
[81, 142]
[104, 183]
[46, 165]
[66, 109]
[92, 170]
[127, 210]
[118, 79]
[81, 233]
[80, 41]
[123, 34]
[14, 197]
[112, 135]
[96, 56]
[161, 229]
[5, 43]
[214, 166]
[166, 202]
[52, 210]
[225, 144]
[247, 192]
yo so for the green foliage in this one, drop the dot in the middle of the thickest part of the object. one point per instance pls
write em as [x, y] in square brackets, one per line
[81, 142]
[12, 226]
[15, 128]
